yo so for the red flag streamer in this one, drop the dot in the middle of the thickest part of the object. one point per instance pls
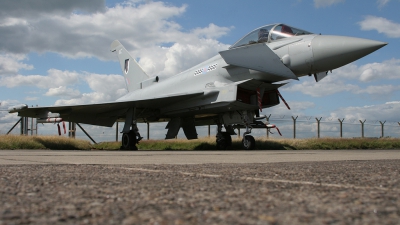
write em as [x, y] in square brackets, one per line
[269, 126]
[59, 130]
[278, 131]
[259, 99]
[65, 129]
[280, 96]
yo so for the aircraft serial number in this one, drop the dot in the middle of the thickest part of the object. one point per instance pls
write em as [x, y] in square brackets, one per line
[205, 69]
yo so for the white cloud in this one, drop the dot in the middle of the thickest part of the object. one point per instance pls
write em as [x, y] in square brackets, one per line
[382, 25]
[296, 108]
[105, 88]
[386, 70]
[139, 26]
[382, 3]
[31, 98]
[33, 9]
[54, 78]
[389, 69]
[183, 56]
[110, 85]
[338, 81]
[63, 92]
[11, 64]
[380, 90]
[85, 98]
[388, 111]
[326, 3]
[4, 104]
[211, 32]
[328, 86]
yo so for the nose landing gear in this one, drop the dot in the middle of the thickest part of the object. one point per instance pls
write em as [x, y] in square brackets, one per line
[249, 143]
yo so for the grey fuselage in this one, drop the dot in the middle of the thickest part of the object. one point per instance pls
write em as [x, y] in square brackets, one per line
[219, 81]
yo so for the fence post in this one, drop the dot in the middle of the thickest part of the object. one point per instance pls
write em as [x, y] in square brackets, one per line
[32, 126]
[294, 126]
[398, 123]
[148, 131]
[209, 130]
[362, 128]
[382, 129]
[116, 131]
[318, 125]
[71, 130]
[341, 127]
[24, 126]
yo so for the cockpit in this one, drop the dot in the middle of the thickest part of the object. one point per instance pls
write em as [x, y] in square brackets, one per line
[269, 33]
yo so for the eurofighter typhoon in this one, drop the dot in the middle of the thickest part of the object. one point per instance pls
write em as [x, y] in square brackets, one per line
[228, 90]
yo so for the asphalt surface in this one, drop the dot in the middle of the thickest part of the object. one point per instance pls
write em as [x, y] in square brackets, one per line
[187, 157]
[260, 187]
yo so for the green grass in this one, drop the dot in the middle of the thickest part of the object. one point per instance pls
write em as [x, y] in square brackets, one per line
[64, 143]
[43, 142]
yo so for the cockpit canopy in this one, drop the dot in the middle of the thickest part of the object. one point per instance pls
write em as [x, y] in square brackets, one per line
[269, 33]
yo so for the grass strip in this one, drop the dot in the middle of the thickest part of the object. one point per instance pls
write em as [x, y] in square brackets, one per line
[65, 143]
[43, 142]
[264, 144]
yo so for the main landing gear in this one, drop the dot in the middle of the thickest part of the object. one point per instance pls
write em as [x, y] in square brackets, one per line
[224, 139]
[130, 137]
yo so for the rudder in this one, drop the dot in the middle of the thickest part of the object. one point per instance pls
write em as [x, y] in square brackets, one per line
[132, 71]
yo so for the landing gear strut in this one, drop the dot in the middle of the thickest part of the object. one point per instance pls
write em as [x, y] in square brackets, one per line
[130, 137]
[129, 140]
[248, 141]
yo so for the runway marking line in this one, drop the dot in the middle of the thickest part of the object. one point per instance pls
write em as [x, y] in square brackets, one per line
[262, 179]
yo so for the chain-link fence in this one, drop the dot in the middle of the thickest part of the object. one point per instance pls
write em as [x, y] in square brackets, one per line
[290, 127]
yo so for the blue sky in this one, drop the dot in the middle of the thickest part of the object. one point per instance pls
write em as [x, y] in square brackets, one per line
[53, 54]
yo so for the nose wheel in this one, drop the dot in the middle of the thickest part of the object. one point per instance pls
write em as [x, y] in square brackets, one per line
[249, 143]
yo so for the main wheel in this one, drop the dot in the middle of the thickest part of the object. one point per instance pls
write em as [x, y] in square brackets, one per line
[248, 142]
[129, 141]
[224, 140]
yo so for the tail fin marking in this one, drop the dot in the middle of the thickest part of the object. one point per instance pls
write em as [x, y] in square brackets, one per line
[132, 71]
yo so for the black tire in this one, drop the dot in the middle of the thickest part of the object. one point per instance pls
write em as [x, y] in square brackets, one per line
[228, 139]
[249, 143]
[224, 140]
[128, 141]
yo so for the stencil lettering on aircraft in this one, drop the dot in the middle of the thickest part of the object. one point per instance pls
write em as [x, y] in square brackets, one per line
[206, 69]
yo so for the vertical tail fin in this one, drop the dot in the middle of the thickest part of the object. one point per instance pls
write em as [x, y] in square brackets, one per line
[133, 73]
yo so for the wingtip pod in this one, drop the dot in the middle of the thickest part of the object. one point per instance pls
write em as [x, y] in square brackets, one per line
[114, 45]
[17, 108]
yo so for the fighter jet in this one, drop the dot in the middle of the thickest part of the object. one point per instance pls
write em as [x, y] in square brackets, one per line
[228, 90]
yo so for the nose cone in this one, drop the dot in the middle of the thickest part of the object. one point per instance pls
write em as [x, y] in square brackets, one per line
[331, 52]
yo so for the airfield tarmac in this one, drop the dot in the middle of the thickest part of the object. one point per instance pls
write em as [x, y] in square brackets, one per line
[200, 187]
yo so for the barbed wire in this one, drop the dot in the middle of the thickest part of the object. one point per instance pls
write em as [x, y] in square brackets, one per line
[305, 118]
